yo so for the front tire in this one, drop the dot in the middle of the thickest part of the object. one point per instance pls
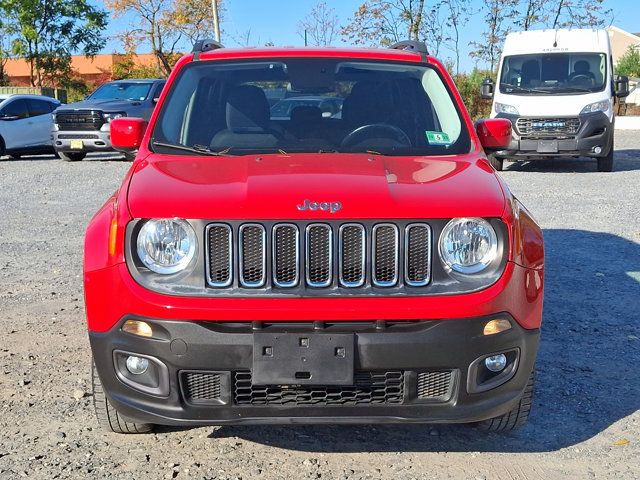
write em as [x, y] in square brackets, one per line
[515, 418]
[72, 156]
[108, 417]
[497, 163]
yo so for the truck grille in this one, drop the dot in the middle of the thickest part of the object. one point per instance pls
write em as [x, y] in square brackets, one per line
[79, 120]
[548, 127]
[370, 387]
[317, 256]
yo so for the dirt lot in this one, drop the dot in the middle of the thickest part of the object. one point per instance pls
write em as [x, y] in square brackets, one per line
[585, 421]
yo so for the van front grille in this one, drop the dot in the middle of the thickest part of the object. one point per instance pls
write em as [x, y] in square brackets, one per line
[547, 127]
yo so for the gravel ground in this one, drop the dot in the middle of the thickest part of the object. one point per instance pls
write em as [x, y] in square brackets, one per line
[585, 422]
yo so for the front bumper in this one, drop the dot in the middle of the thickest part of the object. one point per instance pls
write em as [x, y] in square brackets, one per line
[404, 349]
[594, 134]
[92, 141]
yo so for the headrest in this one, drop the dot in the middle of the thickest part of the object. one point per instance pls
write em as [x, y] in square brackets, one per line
[247, 109]
[369, 102]
[581, 66]
[306, 114]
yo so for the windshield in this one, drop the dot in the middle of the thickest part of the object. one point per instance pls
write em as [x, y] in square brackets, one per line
[122, 91]
[310, 105]
[542, 74]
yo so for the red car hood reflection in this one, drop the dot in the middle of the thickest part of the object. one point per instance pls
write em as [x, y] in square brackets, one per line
[272, 187]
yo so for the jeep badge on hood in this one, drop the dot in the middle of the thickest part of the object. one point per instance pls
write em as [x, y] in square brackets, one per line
[332, 207]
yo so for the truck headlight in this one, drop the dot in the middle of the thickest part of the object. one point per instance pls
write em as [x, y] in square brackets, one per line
[112, 116]
[504, 108]
[468, 245]
[166, 245]
[602, 106]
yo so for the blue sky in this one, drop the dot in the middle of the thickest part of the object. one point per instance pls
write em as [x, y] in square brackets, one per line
[277, 21]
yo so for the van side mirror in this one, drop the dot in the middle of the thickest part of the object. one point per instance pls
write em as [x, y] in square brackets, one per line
[127, 133]
[621, 86]
[494, 133]
[486, 89]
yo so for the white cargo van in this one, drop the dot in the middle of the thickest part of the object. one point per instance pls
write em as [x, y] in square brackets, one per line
[557, 87]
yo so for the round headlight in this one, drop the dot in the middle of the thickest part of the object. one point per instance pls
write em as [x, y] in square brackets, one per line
[468, 245]
[166, 245]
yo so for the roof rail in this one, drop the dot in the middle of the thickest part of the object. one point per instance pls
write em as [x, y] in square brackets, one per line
[204, 45]
[412, 46]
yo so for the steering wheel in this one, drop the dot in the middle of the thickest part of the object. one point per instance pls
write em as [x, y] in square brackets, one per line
[376, 130]
[580, 77]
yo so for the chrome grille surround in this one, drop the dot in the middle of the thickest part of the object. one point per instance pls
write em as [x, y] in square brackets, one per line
[417, 268]
[319, 255]
[219, 269]
[352, 255]
[384, 255]
[252, 250]
[286, 266]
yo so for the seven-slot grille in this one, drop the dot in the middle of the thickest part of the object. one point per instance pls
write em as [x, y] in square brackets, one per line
[79, 120]
[548, 126]
[318, 255]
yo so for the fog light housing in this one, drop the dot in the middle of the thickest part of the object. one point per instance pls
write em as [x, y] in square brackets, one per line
[597, 150]
[137, 365]
[496, 363]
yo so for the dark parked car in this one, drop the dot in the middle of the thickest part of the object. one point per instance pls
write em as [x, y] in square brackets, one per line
[83, 127]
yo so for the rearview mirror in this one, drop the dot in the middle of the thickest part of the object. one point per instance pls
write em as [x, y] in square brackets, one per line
[494, 133]
[127, 133]
[621, 86]
[486, 89]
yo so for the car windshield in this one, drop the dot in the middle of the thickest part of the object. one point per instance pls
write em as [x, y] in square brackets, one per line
[542, 74]
[310, 105]
[122, 91]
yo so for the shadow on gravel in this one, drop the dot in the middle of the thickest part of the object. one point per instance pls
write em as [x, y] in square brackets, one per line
[587, 370]
[623, 161]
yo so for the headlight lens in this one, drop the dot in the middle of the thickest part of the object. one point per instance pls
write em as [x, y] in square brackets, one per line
[112, 116]
[166, 246]
[602, 106]
[504, 108]
[468, 245]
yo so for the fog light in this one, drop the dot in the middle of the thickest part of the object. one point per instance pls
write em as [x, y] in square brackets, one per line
[136, 327]
[495, 363]
[139, 365]
[496, 326]
[597, 150]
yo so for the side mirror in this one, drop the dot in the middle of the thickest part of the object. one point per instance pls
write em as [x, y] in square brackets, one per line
[621, 86]
[127, 133]
[486, 89]
[494, 133]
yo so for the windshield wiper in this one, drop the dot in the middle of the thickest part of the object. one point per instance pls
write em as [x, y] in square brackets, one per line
[576, 89]
[525, 89]
[198, 149]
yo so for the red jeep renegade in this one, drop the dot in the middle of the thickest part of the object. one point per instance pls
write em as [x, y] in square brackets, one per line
[312, 236]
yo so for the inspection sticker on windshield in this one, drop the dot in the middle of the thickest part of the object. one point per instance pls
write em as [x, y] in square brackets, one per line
[437, 138]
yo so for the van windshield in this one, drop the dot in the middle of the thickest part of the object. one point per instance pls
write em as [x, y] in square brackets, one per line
[543, 74]
[310, 105]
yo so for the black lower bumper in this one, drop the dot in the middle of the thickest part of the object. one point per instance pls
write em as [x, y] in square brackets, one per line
[428, 372]
[594, 138]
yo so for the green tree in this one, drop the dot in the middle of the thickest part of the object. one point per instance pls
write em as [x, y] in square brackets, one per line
[48, 32]
[629, 63]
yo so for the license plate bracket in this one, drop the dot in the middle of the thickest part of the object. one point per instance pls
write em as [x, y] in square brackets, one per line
[302, 359]
[76, 144]
[547, 146]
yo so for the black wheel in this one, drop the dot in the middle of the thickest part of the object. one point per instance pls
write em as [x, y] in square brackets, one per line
[515, 418]
[605, 164]
[15, 156]
[72, 156]
[108, 418]
[497, 163]
[130, 157]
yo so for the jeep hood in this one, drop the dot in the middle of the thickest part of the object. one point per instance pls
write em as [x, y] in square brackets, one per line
[272, 186]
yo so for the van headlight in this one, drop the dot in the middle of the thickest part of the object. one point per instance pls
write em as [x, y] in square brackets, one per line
[468, 245]
[504, 108]
[166, 245]
[602, 106]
